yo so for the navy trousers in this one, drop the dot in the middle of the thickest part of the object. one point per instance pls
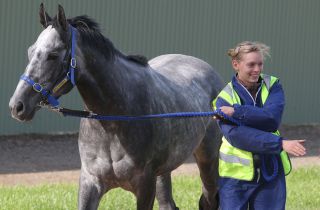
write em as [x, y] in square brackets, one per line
[257, 194]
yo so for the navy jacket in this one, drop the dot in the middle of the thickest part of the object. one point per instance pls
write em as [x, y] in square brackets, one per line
[258, 121]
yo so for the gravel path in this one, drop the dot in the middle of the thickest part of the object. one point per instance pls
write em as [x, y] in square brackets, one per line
[72, 176]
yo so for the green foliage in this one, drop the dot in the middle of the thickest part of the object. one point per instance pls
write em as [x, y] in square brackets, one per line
[303, 193]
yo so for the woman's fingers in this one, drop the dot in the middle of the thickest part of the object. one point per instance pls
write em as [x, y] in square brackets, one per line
[228, 110]
[294, 147]
[301, 148]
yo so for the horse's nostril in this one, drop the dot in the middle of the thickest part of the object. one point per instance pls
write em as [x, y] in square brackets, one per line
[19, 107]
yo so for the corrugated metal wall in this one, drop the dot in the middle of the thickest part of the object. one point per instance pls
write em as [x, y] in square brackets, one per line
[205, 29]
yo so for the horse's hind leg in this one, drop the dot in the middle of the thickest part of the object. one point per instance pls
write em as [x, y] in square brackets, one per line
[206, 156]
[164, 193]
[90, 192]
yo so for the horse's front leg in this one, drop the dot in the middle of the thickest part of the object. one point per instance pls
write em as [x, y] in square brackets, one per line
[90, 192]
[145, 190]
[164, 193]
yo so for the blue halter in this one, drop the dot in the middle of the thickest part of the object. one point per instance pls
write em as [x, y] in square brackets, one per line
[69, 76]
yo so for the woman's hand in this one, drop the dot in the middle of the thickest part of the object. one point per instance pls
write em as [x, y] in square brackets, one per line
[294, 147]
[228, 110]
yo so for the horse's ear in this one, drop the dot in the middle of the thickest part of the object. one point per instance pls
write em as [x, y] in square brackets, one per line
[44, 17]
[62, 21]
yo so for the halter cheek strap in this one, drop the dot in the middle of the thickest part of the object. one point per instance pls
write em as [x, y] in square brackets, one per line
[69, 76]
[73, 62]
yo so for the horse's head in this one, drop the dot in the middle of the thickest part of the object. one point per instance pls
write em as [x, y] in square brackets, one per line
[47, 75]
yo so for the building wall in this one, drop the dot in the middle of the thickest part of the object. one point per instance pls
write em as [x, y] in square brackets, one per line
[205, 29]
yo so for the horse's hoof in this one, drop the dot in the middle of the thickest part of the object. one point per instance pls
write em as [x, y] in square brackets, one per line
[203, 204]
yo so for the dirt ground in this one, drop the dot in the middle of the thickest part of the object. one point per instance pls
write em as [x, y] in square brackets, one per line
[33, 159]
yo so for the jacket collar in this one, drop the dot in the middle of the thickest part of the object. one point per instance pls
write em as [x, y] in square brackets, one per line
[246, 98]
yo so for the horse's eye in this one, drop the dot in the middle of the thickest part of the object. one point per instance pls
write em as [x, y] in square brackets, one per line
[53, 56]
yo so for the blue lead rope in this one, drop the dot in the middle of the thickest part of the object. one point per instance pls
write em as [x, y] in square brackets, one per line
[90, 115]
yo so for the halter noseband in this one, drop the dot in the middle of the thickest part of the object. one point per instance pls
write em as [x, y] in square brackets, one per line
[70, 75]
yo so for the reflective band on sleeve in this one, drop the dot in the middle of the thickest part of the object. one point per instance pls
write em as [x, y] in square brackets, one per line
[234, 159]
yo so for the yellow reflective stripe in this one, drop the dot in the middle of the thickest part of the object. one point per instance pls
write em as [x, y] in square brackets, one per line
[214, 104]
[226, 94]
[233, 159]
[237, 168]
[227, 148]
[235, 171]
[236, 97]
[233, 94]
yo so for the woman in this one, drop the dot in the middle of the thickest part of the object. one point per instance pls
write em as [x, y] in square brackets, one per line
[253, 160]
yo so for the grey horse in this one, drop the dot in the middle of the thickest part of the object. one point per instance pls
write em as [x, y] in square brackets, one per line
[137, 156]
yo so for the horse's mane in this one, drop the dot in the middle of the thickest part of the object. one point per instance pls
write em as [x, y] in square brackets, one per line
[92, 38]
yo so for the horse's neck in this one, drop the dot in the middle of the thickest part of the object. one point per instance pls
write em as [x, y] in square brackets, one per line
[108, 86]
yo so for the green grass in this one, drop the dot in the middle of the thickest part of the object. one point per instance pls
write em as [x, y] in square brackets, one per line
[303, 187]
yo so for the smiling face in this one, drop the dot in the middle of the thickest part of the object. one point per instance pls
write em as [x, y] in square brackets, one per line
[249, 67]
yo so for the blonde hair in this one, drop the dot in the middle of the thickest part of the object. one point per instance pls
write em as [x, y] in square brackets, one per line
[247, 47]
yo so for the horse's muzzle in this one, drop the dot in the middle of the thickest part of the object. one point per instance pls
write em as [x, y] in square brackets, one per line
[19, 111]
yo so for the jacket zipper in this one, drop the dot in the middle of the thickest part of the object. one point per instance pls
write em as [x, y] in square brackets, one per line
[253, 100]
[254, 104]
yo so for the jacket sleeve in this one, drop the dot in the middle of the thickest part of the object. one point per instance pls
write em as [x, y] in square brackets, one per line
[266, 118]
[249, 138]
